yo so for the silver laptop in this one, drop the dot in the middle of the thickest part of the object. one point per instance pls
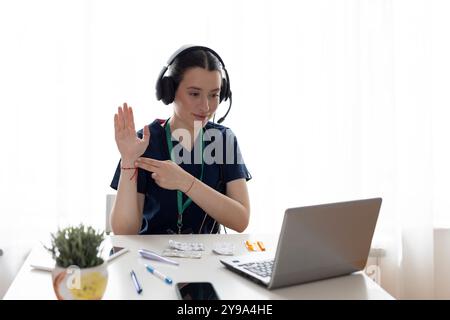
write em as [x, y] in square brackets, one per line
[316, 242]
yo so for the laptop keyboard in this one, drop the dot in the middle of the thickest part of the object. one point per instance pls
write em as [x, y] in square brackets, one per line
[261, 268]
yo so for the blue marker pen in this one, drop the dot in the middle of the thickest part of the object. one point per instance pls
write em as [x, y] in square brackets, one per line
[158, 274]
[136, 283]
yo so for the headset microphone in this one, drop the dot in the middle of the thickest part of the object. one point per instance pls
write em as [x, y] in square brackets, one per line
[229, 107]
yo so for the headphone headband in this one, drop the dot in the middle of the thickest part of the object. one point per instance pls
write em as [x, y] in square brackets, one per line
[188, 48]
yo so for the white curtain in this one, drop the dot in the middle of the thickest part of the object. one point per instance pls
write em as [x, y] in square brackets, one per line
[333, 100]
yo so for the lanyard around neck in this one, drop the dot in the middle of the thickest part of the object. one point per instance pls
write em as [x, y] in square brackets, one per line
[181, 206]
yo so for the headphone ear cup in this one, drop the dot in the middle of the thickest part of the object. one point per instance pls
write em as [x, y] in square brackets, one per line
[158, 90]
[167, 92]
[224, 90]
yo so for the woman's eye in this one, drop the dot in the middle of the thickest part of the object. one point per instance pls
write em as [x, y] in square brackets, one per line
[194, 94]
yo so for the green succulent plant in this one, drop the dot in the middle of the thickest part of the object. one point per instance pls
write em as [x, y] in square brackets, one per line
[79, 246]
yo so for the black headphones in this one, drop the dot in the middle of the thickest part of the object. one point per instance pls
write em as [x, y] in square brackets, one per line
[165, 85]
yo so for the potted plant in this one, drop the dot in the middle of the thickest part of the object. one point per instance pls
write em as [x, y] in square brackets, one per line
[80, 273]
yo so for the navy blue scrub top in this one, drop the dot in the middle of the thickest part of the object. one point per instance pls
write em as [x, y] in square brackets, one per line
[160, 205]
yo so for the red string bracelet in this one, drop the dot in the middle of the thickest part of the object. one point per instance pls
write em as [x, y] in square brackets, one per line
[190, 186]
[132, 168]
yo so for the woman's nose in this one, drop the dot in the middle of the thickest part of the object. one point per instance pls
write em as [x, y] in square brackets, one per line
[204, 104]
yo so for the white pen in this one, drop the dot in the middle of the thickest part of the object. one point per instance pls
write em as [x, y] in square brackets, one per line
[147, 254]
[158, 274]
[119, 252]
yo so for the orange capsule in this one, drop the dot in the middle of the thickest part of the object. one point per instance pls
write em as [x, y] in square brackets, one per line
[261, 246]
[249, 245]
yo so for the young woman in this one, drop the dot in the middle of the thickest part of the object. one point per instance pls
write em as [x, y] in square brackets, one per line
[184, 174]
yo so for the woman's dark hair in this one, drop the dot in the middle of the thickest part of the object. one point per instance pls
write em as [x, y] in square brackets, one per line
[196, 58]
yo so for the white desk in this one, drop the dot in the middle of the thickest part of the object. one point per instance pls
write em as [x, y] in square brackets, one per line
[33, 284]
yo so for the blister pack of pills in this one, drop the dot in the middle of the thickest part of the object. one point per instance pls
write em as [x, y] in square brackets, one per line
[224, 248]
[182, 254]
[186, 246]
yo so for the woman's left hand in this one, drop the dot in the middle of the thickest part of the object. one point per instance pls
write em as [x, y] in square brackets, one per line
[167, 174]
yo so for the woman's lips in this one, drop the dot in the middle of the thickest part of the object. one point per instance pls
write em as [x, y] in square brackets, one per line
[199, 117]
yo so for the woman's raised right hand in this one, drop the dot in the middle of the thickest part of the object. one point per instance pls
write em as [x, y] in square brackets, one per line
[129, 145]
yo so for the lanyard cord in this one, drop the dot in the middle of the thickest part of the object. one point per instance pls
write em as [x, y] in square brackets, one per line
[181, 206]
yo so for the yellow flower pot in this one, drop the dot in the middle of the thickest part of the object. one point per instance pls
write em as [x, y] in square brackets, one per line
[73, 283]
